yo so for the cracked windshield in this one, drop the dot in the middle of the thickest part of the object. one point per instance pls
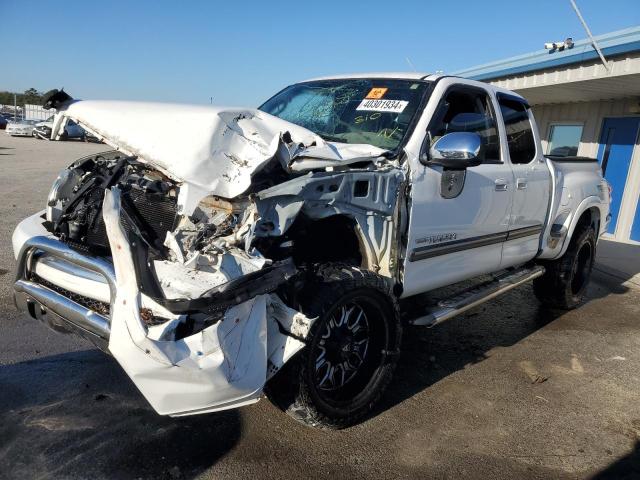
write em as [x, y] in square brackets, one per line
[376, 112]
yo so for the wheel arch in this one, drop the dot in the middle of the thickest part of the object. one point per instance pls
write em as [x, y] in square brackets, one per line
[335, 238]
[589, 212]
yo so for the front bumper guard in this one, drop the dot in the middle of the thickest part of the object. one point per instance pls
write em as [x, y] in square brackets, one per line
[53, 308]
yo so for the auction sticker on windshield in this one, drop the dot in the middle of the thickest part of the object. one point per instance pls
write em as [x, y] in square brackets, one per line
[395, 106]
[376, 93]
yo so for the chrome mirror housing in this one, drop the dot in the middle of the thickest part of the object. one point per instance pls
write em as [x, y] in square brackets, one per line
[457, 150]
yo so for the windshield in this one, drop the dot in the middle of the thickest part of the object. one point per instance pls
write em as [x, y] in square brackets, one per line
[378, 112]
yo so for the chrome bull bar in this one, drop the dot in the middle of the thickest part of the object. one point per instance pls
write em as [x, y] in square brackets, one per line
[53, 308]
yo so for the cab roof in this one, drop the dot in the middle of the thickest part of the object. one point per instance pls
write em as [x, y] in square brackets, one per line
[417, 76]
[400, 75]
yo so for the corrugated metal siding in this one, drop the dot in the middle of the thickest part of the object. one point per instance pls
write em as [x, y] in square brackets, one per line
[612, 44]
[590, 114]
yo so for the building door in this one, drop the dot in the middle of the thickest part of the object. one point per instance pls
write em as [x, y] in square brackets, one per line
[635, 229]
[617, 141]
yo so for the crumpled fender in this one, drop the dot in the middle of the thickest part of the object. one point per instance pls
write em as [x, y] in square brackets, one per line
[222, 366]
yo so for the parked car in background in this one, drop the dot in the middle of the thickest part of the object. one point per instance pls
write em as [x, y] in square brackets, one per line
[71, 130]
[22, 128]
[3, 122]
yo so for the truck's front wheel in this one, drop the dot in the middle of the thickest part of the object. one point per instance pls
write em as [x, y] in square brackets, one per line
[565, 280]
[351, 352]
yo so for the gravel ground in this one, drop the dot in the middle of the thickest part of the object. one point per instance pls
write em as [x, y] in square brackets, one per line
[508, 390]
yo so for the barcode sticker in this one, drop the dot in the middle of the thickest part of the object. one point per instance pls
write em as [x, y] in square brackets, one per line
[395, 106]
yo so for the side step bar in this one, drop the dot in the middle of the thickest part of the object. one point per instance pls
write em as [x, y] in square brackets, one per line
[477, 295]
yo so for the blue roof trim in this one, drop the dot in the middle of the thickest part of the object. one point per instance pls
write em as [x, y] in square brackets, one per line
[614, 43]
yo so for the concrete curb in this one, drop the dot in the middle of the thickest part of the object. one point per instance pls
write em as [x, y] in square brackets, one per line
[633, 282]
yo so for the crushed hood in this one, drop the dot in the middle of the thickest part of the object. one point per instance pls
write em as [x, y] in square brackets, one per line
[214, 150]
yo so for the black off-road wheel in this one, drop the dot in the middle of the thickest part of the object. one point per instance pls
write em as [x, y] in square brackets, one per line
[565, 280]
[351, 352]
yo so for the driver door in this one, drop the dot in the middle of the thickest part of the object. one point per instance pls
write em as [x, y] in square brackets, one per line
[458, 219]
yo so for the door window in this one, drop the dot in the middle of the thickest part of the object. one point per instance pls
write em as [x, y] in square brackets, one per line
[467, 110]
[522, 146]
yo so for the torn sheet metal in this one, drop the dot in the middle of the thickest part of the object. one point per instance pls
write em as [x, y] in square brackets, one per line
[222, 366]
[368, 197]
[198, 274]
[212, 150]
[280, 348]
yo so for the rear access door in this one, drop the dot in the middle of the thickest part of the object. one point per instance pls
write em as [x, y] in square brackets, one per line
[531, 182]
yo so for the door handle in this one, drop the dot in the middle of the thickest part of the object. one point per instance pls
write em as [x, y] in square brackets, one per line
[501, 185]
[521, 184]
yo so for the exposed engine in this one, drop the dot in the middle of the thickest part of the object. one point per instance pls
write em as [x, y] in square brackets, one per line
[191, 265]
[75, 204]
[149, 204]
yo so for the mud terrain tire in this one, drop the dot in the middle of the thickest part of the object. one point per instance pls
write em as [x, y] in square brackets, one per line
[345, 300]
[565, 280]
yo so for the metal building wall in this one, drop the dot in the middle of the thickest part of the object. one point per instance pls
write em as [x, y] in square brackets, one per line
[591, 115]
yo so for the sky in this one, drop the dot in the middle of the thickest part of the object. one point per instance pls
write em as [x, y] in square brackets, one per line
[242, 52]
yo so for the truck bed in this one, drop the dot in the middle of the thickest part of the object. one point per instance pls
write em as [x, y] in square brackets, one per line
[577, 186]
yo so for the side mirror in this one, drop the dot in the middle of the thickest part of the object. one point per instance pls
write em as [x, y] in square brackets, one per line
[457, 150]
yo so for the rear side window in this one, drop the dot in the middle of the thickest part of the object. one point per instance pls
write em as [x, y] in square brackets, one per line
[522, 146]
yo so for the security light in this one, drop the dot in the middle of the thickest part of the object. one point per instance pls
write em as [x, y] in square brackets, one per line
[560, 46]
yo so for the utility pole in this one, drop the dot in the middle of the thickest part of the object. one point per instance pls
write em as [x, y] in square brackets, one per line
[593, 41]
[15, 108]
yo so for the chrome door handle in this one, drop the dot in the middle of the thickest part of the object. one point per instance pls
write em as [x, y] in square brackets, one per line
[501, 185]
[521, 184]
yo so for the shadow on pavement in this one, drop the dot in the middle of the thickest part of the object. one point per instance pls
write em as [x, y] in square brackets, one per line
[77, 415]
[625, 468]
[429, 355]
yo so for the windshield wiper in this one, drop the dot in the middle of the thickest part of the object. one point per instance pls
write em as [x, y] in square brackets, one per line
[332, 138]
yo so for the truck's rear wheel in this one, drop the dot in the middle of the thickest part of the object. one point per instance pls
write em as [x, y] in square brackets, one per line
[565, 280]
[351, 352]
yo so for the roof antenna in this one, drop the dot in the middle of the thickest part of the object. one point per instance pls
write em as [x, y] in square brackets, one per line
[593, 41]
[410, 64]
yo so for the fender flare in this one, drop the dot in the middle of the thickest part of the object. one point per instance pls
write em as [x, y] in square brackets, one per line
[589, 202]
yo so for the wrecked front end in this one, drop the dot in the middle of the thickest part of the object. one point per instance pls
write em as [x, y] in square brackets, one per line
[188, 277]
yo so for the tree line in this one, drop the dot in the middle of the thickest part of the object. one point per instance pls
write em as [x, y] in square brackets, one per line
[30, 96]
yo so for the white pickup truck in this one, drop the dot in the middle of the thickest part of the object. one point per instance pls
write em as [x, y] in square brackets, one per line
[219, 254]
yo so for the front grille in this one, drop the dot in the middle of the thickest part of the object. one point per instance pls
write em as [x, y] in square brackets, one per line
[158, 212]
[97, 306]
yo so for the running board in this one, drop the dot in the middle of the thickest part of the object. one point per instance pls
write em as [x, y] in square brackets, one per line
[477, 295]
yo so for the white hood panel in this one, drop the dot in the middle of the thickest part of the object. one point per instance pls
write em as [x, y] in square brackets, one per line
[212, 149]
